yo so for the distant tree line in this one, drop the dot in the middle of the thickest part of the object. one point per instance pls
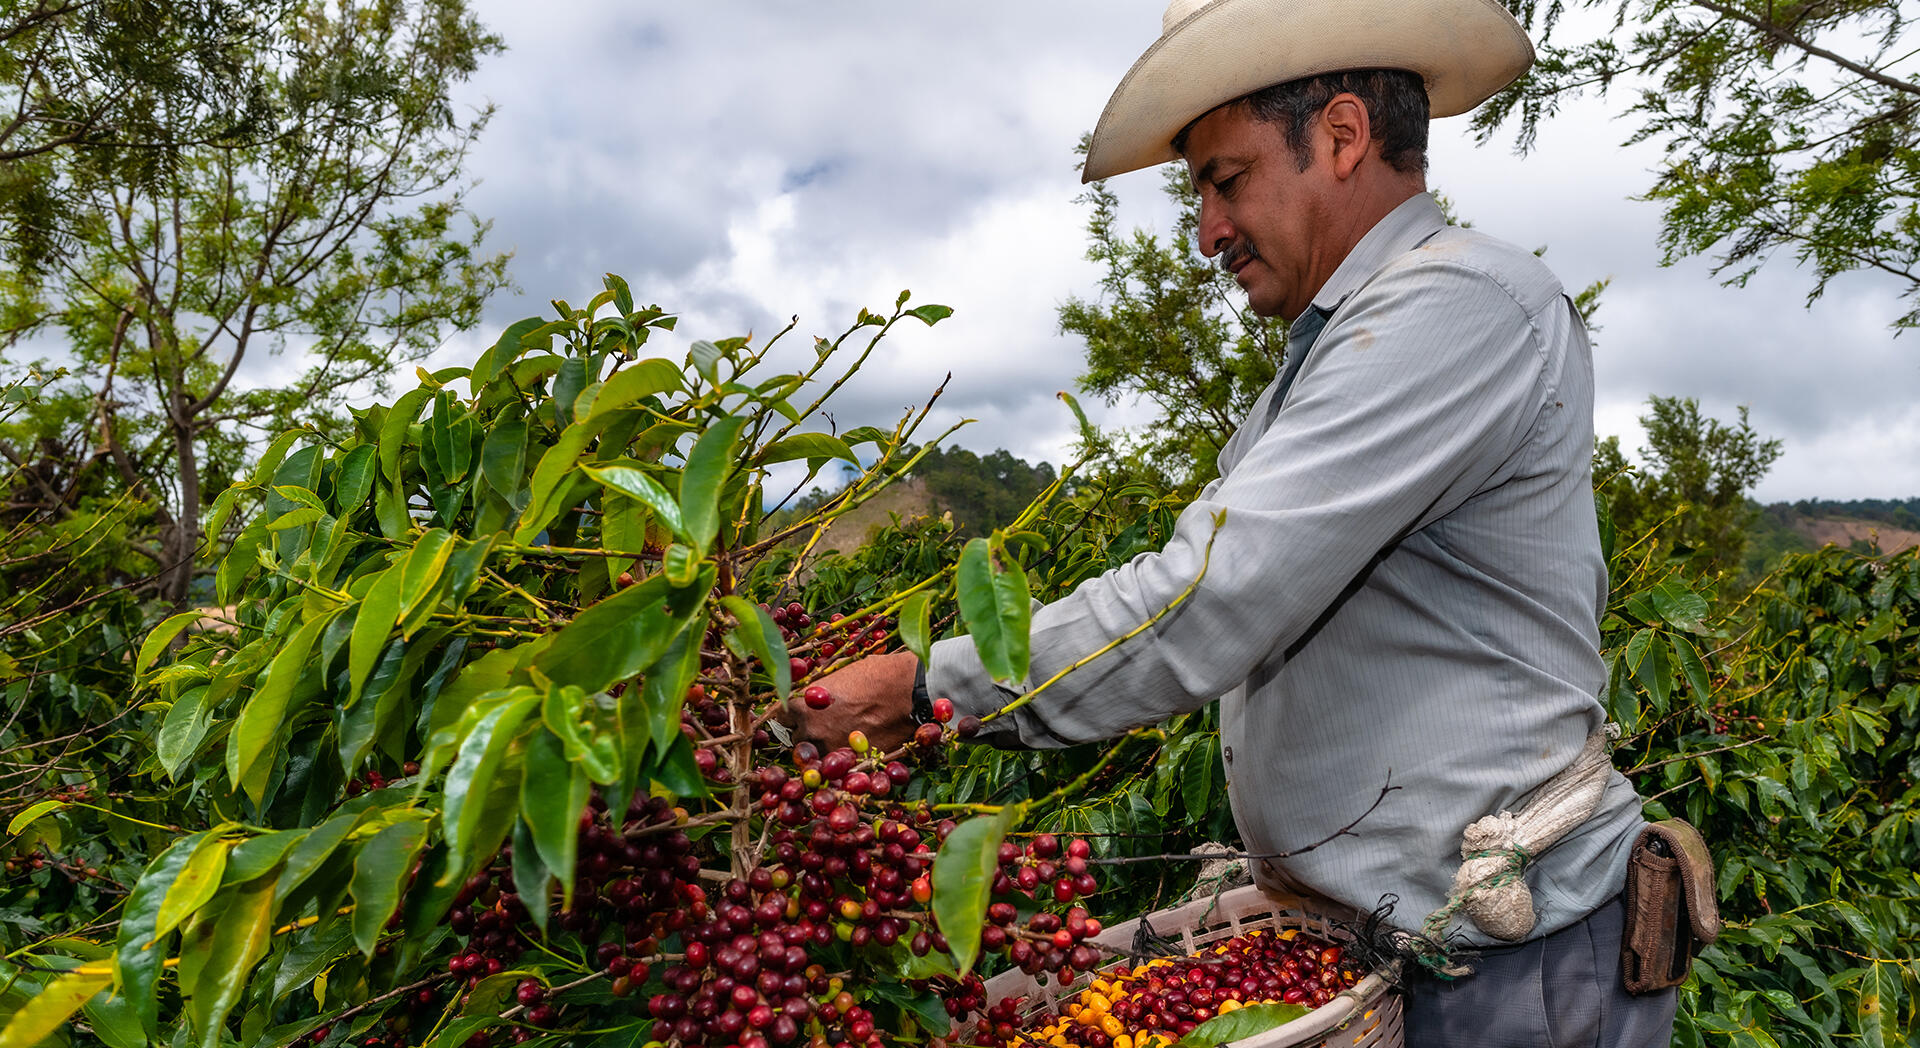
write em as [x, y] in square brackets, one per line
[1899, 513]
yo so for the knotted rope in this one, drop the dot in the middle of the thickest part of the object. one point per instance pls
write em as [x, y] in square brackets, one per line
[1491, 883]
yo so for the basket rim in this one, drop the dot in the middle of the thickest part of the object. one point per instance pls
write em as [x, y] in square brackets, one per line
[1345, 1006]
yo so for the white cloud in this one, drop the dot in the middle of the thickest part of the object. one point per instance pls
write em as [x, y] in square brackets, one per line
[745, 162]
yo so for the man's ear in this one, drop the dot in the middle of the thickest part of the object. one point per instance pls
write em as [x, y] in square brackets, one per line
[1349, 133]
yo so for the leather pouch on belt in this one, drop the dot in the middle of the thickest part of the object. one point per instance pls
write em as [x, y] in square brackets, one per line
[1671, 910]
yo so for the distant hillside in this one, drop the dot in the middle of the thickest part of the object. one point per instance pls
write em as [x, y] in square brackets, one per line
[903, 501]
[981, 492]
[1866, 525]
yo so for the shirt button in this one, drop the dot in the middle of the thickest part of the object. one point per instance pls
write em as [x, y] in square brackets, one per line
[1228, 754]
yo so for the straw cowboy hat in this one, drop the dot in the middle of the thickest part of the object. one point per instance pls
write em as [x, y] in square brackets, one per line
[1213, 51]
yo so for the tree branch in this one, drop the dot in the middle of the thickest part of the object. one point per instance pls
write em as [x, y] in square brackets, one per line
[1793, 40]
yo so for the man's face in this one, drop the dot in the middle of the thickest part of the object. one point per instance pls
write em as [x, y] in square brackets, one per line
[1258, 211]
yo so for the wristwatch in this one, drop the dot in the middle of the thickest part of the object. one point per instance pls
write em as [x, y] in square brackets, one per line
[922, 702]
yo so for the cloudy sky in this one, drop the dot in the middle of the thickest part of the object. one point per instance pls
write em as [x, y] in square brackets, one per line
[743, 162]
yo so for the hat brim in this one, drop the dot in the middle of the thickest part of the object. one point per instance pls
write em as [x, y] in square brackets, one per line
[1465, 50]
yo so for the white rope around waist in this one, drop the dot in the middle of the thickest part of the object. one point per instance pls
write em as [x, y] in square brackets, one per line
[1491, 883]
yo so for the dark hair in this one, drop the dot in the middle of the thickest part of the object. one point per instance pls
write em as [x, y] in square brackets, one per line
[1396, 102]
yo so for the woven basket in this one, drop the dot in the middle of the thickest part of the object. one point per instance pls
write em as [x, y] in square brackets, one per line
[1363, 1016]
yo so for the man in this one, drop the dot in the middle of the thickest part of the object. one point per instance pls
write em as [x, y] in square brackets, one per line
[1405, 572]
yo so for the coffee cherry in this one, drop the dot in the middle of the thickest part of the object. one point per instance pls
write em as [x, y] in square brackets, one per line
[817, 697]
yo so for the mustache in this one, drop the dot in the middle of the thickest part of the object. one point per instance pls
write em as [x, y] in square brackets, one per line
[1235, 253]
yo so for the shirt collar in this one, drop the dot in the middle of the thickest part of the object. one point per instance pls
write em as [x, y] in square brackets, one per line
[1401, 230]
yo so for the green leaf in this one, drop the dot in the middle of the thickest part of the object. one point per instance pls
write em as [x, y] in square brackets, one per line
[867, 435]
[552, 796]
[420, 573]
[705, 358]
[1637, 647]
[708, 464]
[312, 953]
[642, 379]
[473, 770]
[196, 883]
[381, 871]
[1655, 675]
[458, 1032]
[963, 880]
[808, 446]
[622, 298]
[678, 773]
[915, 632]
[631, 482]
[394, 429]
[1088, 435]
[550, 479]
[371, 625]
[1251, 1021]
[1679, 605]
[354, 482]
[257, 856]
[930, 314]
[503, 456]
[162, 636]
[295, 518]
[664, 689]
[621, 635]
[114, 1020]
[312, 851]
[32, 812]
[923, 1005]
[1196, 783]
[680, 565]
[37, 1020]
[502, 353]
[567, 384]
[561, 710]
[359, 724]
[298, 495]
[240, 561]
[1694, 670]
[251, 748]
[276, 452]
[139, 954]
[761, 635]
[464, 567]
[237, 942]
[390, 510]
[996, 607]
[1878, 1006]
[531, 877]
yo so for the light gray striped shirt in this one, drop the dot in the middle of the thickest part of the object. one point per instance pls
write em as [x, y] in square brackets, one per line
[1407, 584]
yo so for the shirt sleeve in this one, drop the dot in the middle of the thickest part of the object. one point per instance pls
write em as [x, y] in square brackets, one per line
[1409, 403]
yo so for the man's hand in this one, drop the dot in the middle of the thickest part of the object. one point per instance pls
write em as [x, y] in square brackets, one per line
[873, 695]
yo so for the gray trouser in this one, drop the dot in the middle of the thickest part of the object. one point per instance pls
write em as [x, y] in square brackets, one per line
[1559, 991]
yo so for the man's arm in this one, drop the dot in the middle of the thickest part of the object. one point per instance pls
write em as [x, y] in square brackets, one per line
[1408, 405]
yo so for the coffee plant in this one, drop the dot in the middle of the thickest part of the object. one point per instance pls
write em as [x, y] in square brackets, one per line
[481, 743]
[485, 745]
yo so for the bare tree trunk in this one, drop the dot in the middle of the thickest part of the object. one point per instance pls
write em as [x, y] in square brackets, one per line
[182, 535]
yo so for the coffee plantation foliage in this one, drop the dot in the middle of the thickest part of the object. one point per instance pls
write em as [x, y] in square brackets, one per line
[488, 684]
